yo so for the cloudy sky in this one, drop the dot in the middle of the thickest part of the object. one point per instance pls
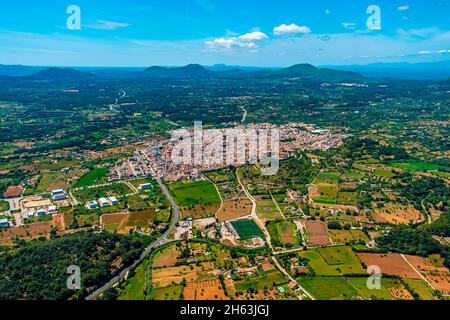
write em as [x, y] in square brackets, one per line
[236, 32]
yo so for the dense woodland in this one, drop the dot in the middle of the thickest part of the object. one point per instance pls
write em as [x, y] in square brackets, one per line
[418, 239]
[38, 270]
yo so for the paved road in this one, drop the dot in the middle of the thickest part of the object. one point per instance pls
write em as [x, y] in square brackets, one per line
[244, 117]
[117, 278]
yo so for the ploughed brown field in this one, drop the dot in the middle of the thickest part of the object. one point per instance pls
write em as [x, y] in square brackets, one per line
[205, 290]
[397, 214]
[438, 277]
[317, 233]
[199, 211]
[390, 264]
[233, 209]
[168, 258]
[26, 232]
[13, 192]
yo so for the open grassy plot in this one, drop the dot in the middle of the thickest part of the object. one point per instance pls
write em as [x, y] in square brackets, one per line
[166, 293]
[267, 209]
[384, 173]
[4, 206]
[360, 285]
[347, 198]
[141, 218]
[45, 181]
[325, 188]
[333, 261]
[416, 165]
[188, 193]
[134, 288]
[283, 233]
[329, 288]
[116, 189]
[339, 255]
[247, 229]
[421, 289]
[268, 279]
[330, 177]
[91, 177]
[327, 193]
[57, 166]
[347, 236]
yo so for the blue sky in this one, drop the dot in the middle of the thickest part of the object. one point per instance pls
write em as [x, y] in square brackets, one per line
[241, 32]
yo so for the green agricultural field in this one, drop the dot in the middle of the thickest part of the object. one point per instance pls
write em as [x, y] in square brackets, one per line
[333, 261]
[445, 175]
[283, 233]
[360, 285]
[136, 202]
[4, 206]
[247, 229]
[91, 177]
[329, 288]
[188, 193]
[57, 166]
[421, 288]
[347, 198]
[327, 184]
[328, 176]
[45, 181]
[267, 209]
[134, 288]
[268, 279]
[416, 165]
[347, 236]
[116, 189]
[384, 173]
[137, 183]
[166, 293]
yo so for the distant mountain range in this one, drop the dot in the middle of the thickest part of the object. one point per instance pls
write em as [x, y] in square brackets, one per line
[301, 71]
[406, 71]
[61, 74]
[192, 71]
[420, 71]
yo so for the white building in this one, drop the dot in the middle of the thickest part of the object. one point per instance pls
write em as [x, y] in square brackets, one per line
[52, 209]
[92, 204]
[103, 202]
[58, 195]
[113, 201]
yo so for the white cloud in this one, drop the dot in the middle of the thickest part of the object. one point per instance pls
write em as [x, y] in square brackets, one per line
[433, 52]
[420, 33]
[348, 25]
[253, 36]
[247, 40]
[403, 8]
[107, 25]
[290, 29]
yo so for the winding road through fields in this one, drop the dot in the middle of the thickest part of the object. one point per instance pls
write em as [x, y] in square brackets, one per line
[147, 251]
